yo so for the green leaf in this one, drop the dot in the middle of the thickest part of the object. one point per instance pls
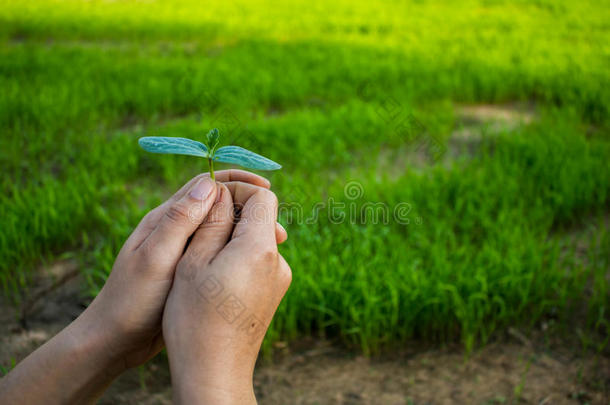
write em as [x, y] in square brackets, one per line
[212, 138]
[245, 158]
[179, 146]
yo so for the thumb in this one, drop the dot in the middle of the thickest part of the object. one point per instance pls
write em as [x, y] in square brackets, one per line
[166, 242]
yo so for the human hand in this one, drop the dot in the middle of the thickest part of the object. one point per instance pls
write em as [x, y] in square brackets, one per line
[227, 287]
[122, 326]
[128, 310]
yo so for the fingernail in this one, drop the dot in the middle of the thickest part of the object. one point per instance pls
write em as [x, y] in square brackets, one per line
[267, 182]
[202, 189]
[281, 227]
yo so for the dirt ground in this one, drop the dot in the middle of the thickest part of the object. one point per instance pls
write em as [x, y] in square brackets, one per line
[515, 370]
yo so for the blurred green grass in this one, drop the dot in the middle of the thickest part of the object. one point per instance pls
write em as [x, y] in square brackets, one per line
[81, 81]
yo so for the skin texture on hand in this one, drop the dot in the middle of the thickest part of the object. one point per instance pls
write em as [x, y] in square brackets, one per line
[122, 326]
[227, 287]
[130, 305]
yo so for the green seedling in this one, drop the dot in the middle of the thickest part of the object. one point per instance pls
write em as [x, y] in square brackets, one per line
[210, 150]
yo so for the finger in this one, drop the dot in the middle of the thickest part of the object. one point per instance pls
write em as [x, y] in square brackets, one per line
[150, 220]
[243, 176]
[258, 212]
[145, 227]
[213, 234]
[225, 176]
[222, 176]
[280, 233]
[181, 219]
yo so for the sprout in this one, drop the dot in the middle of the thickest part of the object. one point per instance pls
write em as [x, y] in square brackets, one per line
[227, 154]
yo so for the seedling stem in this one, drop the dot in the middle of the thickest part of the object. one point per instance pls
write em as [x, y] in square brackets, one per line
[211, 164]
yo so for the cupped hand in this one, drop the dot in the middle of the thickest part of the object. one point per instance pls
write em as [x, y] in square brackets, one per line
[127, 312]
[227, 287]
[122, 326]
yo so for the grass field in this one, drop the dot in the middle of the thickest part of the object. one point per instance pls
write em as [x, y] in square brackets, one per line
[325, 90]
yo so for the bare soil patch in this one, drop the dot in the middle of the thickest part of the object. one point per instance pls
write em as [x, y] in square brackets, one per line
[472, 124]
[512, 371]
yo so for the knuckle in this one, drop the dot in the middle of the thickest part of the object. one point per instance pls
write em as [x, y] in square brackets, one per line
[176, 213]
[196, 256]
[146, 252]
[190, 256]
[186, 269]
[267, 255]
[212, 222]
[220, 215]
[270, 197]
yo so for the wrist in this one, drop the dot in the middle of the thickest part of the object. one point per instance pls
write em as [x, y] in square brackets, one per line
[72, 367]
[88, 339]
[202, 388]
[192, 390]
[114, 337]
[198, 378]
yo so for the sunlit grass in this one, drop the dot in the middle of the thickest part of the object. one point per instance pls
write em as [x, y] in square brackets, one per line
[307, 85]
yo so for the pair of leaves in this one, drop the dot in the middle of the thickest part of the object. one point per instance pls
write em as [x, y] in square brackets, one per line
[226, 154]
